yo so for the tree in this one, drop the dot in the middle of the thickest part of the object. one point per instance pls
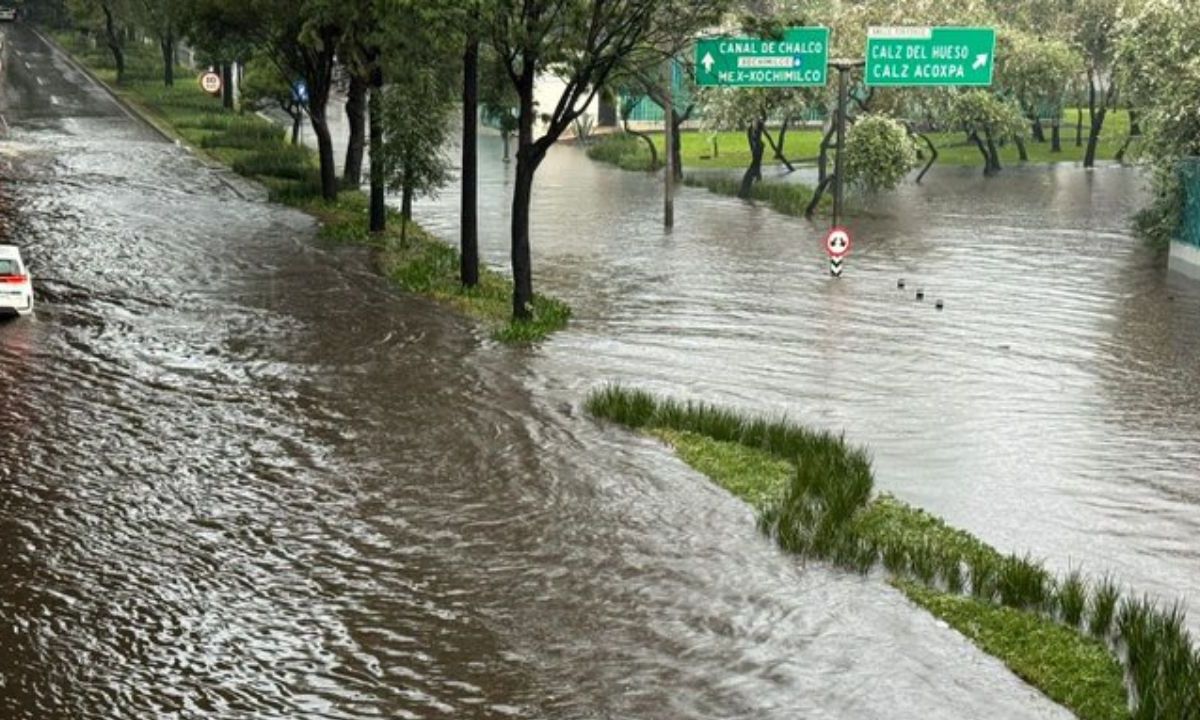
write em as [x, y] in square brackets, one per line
[300, 37]
[1158, 63]
[497, 97]
[751, 109]
[161, 17]
[1034, 72]
[879, 153]
[416, 121]
[987, 120]
[109, 16]
[263, 84]
[1096, 33]
[581, 41]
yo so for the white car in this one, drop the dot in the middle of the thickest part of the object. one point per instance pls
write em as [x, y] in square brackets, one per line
[8, 14]
[16, 284]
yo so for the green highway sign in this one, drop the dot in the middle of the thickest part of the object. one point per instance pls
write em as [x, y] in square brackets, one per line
[798, 59]
[927, 56]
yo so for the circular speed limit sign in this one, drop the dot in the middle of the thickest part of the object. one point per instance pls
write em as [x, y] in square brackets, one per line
[837, 242]
[211, 83]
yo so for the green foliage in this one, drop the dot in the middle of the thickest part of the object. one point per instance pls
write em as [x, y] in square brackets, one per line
[752, 475]
[1103, 608]
[823, 509]
[620, 149]
[787, 198]
[1077, 672]
[1159, 67]
[248, 134]
[879, 153]
[1072, 598]
[291, 162]
[1034, 70]
[979, 111]
[416, 112]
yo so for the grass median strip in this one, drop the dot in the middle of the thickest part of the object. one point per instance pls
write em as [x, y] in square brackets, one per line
[256, 148]
[1083, 644]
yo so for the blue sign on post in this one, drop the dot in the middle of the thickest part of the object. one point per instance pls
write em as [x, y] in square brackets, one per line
[300, 92]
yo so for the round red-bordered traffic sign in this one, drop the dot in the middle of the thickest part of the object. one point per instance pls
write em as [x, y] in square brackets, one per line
[838, 242]
[210, 82]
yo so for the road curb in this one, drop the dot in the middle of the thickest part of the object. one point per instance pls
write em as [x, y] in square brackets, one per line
[242, 187]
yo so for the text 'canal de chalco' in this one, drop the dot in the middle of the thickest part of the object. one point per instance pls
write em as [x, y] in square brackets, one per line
[774, 62]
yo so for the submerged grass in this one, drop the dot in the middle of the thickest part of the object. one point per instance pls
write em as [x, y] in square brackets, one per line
[814, 494]
[787, 198]
[256, 148]
[1071, 669]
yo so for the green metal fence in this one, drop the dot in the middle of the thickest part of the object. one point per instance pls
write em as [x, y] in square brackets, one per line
[1190, 226]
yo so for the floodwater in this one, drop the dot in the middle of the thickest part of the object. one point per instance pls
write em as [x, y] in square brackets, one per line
[242, 477]
[1052, 407]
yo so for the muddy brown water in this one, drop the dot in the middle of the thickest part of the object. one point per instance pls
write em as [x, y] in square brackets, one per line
[242, 477]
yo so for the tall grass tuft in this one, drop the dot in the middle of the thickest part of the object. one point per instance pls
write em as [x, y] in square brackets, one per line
[1103, 608]
[1023, 584]
[952, 571]
[985, 573]
[1072, 598]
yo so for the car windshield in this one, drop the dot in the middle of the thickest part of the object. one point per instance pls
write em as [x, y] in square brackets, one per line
[9, 267]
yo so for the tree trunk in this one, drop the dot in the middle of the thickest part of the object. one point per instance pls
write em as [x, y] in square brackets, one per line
[1056, 135]
[167, 43]
[669, 150]
[356, 115]
[1134, 131]
[1039, 134]
[933, 156]
[1021, 151]
[506, 139]
[645, 138]
[378, 182]
[320, 125]
[297, 118]
[987, 159]
[677, 141]
[227, 86]
[777, 147]
[114, 41]
[1078, 126]
[1089, 157]
[754, 135]
[819, 193]
[469, 240]
[823, 154]
[528, 158]
[521, 262]
[993, 153]
[406, 201]
[406, 204]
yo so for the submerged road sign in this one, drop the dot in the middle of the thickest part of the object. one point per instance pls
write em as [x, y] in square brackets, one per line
[928, 56]
[837, 246]
[798, 59]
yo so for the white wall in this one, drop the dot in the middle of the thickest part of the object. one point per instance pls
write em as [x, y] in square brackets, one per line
[547, 90]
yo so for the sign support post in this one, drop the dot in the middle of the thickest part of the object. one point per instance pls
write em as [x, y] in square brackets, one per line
[843, 68]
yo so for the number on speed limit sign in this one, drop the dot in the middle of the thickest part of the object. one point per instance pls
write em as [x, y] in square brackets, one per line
[211, 83]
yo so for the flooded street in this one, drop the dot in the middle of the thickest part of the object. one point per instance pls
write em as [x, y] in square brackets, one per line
[244, 478]
[1053, 406]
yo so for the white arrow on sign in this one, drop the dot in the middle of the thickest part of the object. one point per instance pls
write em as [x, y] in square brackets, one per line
[708, 62]
[980, 60]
